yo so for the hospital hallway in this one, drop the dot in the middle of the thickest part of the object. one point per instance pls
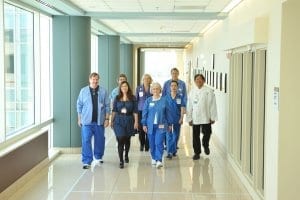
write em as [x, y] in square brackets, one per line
[181, 178]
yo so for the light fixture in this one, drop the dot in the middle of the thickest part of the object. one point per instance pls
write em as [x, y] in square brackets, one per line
[231, 5]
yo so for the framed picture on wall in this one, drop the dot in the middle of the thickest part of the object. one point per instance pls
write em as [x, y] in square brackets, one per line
[221, 81]
[225, 83]
[213, 61]
[217, 80]
[210, 78]
[213, 79]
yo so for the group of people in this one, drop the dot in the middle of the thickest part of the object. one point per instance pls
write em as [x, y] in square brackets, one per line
[155, 113]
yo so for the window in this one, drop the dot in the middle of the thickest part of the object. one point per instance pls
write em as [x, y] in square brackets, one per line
[46, 74]
[19, 69]
[94, 53]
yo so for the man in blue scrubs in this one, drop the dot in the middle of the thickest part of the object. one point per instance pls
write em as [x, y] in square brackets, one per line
[93, 108]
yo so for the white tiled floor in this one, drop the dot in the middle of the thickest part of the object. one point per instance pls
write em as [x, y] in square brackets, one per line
[210, 178]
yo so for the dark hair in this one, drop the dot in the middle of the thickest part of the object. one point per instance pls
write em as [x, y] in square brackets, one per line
[174, 69]
[199, 75]
[129, 92]
[123, 75]
[94, 74]
[173, 81]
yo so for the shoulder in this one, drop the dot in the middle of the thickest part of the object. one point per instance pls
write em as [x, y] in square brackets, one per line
[167, 82]
[102, 89]
[84, 89]
[181, 82]
[208, 89]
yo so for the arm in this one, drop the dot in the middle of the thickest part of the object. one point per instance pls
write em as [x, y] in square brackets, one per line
[213, 108]
[184, 92]
[79, 109]
[164, 90]
[135, 114]
[182, 109]
[145, 115]
[189, 107]
[107, 109]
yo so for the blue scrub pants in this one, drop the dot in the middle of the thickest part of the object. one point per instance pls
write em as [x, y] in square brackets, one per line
[156, 142]
[172, 139]
[87, 131]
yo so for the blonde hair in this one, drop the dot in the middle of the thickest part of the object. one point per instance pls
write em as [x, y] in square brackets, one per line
[146, 75]
[156, 84]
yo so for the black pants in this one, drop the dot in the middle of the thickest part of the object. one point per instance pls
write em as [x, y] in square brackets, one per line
[123, 142]
[143, 137]
[206, 131]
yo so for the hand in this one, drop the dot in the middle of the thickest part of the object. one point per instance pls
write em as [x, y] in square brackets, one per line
[191, 123]
[212, 121]
[145, 129]
[112, 125]
[79, 123]
[136, 126]
[170, 128]
[106, 123]
[180, 121]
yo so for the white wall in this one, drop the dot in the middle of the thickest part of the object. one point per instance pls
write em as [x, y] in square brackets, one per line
[289, 137]
[252, 21]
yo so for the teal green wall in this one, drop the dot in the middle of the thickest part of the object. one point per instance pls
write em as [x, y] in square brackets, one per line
[71, 68]
[126, 61]
[109, 60]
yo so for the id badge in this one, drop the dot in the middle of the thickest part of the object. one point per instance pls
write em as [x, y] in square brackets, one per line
[141, 94]
[161, 126]
[151, 104]
[124, 110]
[178, 101]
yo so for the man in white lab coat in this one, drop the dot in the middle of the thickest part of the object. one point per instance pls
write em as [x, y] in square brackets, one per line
[201, 114]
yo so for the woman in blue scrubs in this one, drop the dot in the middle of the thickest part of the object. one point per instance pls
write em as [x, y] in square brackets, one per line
[142, 93]
[124, 119]
[177, 103]
[156, 122]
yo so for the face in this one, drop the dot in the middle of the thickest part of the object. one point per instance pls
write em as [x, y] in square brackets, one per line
[147, 80]
[94, 81]
[156, 90]
[121, 79]
[174, 87]
[124, 88]
[199, 82]
[174, 74]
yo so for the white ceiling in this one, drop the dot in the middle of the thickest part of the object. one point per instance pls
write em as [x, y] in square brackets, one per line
[145, 22]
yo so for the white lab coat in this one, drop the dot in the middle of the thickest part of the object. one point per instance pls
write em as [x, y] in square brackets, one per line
[201, 105]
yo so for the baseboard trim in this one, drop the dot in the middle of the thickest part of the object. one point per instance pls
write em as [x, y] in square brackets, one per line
[74, 150]
[236, 169]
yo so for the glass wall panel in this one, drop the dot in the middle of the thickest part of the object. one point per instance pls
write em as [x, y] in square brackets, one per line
[19, 68]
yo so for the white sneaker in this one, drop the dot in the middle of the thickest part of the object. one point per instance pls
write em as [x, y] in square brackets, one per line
[98, 161]
[153, 162]
[158, 164]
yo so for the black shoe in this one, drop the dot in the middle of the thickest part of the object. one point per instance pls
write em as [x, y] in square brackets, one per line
[196, 157]
[169, 156]
[146, 149]
[174, 154]
[86, 166]
[126, 160]
[121, 165]
[207, 151]
[141, 148]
